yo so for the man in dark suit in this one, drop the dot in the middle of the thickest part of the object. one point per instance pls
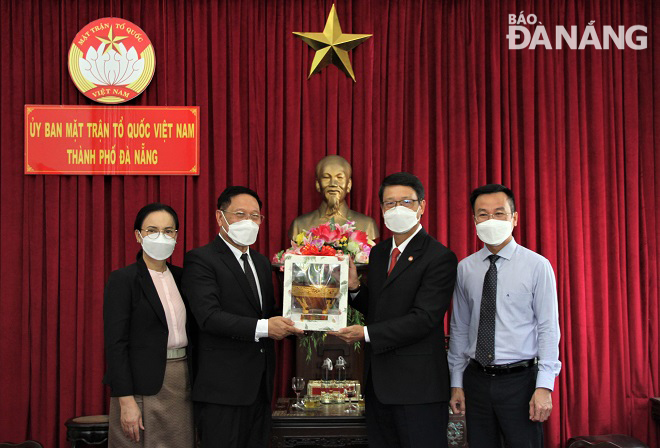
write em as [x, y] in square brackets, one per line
[409, 285]
[229, 288]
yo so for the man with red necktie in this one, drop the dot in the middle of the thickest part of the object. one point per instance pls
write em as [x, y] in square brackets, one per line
[410, 281]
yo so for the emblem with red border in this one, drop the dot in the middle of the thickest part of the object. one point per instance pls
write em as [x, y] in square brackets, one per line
[111, 60]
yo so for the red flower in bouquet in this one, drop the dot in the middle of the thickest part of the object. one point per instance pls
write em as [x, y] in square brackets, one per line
[359, 236]
[327, 233]
[324, 251]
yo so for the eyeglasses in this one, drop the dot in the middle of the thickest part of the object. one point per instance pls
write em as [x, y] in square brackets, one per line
[153, 232]
[500, 216]
[405, 202]
[256, 217]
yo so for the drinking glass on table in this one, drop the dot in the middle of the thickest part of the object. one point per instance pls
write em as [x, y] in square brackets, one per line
[350, 390]
[298, 384]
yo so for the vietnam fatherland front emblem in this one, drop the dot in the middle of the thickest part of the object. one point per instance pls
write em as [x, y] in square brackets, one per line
[111, 60]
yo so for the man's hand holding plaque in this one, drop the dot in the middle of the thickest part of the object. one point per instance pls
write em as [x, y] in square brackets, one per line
[280, 327]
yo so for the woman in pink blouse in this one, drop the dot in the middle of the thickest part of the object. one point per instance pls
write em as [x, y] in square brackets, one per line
[146, 341]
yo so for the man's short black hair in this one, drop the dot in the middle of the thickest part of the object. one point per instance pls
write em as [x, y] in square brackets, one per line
[225, 197]
[154, 207]
[405, 179]
[493, 188]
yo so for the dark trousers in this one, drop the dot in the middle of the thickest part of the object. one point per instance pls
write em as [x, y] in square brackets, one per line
[497, 409]
[405, 426]
[224, 426]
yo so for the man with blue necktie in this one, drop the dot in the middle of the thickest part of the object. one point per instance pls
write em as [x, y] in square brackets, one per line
[504, 340]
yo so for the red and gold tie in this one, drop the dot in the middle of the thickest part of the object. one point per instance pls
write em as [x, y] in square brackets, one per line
[394, 257]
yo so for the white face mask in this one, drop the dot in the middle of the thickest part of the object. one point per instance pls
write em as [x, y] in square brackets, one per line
[494, 232]
[400, 219]
[243, 233]
[160, 248]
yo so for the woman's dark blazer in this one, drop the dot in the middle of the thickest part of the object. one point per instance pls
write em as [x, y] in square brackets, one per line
[135, 331]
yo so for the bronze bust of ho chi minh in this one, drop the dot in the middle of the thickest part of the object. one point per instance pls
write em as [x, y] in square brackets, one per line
[333, 181]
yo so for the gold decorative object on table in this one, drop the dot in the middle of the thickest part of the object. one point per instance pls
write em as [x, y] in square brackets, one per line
[332, 392]
[334, 182]
[332, 46]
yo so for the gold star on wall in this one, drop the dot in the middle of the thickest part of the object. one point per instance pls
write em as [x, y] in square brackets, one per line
[111, 42]
[332, 46]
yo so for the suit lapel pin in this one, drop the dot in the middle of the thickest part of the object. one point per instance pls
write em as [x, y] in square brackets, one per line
[410, 258]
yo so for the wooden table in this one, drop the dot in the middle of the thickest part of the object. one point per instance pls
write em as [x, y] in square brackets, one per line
[327, 426]
[330, 426]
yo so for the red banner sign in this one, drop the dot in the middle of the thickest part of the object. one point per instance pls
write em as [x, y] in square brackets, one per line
[111, 140]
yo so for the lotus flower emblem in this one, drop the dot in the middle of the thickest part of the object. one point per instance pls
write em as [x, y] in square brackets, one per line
[111, 60]
[109, 67]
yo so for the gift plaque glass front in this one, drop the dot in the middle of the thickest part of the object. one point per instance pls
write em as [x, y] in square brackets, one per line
[316, 292]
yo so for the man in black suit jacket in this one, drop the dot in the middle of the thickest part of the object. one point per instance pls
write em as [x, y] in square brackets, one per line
[409, 286]
[230, 291]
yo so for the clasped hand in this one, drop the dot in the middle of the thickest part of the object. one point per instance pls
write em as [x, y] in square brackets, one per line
[351, 334]
[280, 327]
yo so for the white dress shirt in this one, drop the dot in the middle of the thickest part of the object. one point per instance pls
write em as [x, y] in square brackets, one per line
[261, 331]
[526, 320]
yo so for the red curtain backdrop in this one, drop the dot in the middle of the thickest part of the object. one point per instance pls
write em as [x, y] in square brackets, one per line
[438, 93]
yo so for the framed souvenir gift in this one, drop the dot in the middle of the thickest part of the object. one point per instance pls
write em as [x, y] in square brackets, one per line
[316, 292]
